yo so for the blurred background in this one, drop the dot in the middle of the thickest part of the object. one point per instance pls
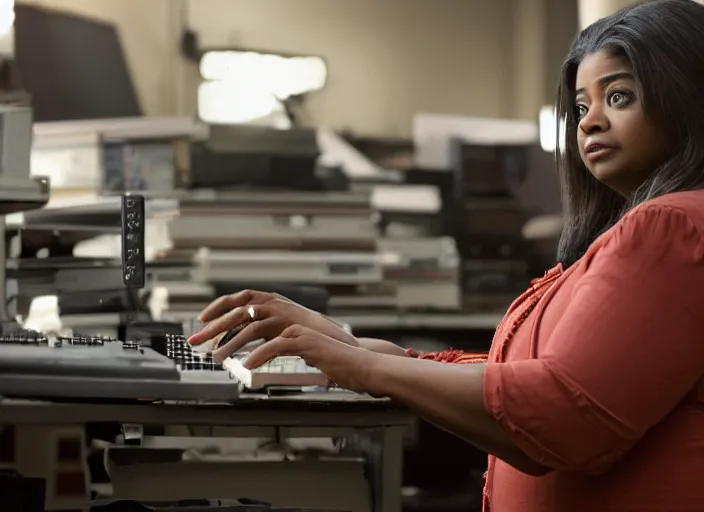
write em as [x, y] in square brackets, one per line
[388, 162]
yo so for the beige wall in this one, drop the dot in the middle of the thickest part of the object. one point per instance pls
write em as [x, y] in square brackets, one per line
[561, 20]
[592, 10]
[528, 58]
[543, 31]
[387, 59]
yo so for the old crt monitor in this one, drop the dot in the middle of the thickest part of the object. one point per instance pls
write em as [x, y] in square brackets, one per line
[73, 67]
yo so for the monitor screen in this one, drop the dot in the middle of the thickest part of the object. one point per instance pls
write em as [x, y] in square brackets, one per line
[73, 67]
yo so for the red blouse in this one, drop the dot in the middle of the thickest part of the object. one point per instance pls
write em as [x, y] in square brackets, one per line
[598, 373]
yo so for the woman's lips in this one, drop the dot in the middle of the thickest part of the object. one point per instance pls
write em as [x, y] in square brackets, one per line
[598, 152]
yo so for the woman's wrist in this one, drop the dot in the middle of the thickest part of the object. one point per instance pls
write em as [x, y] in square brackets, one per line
[381, 346]
[335, 330]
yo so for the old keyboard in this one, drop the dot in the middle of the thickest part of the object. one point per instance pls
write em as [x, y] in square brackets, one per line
[40, 365]
[30, 352]
[282, 372]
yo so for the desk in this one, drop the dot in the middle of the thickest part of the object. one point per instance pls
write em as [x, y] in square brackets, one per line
[330, 413]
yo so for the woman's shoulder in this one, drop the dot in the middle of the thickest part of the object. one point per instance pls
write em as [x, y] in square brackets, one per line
[668, 223]
[664, 236]
[680, 205]
[680, 209]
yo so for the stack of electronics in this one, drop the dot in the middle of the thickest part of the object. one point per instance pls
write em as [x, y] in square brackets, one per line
[420, 265]
[257, 213]
[424, 272]
[89, 294]
[489, 221]
[70, 249]
[18, 192]
[63, 288]
[256, 158]
[163, 156]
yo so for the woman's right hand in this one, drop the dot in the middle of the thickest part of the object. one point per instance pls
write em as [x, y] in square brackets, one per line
[272, 314]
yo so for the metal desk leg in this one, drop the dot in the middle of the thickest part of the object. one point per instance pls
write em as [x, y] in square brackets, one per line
[391, 469]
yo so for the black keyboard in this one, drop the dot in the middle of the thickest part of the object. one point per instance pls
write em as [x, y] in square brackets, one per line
[180, 352]
[29, 337]
[113, 360]
[40, 365]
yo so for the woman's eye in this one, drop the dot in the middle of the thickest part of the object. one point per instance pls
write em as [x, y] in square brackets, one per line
[619, 99]
[580, 111]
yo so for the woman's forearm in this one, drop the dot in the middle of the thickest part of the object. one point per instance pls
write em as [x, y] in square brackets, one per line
[451, 396]
[381, 346]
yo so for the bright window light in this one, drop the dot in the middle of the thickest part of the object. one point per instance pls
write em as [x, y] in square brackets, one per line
[282, 76]
[547, 127]
[7, 16]
[224, 102]
[246, 87]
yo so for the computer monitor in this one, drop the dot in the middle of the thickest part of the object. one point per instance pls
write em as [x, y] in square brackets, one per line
[73, 67]
[524, 172]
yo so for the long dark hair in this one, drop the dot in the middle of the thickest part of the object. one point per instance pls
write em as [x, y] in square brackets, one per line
[664, 42]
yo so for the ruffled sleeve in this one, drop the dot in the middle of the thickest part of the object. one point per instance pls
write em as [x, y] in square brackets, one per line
[450, 356]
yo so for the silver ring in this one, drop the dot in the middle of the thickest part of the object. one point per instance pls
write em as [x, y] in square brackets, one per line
[250, 311]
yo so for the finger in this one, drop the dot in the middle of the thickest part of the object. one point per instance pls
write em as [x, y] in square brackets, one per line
[226, 322]
[222, 305]
[274, 348]
[293, 331]
[254, 331]
[230, 320]
[208, 345]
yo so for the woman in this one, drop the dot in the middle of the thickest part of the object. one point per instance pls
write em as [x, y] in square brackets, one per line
[592, 398]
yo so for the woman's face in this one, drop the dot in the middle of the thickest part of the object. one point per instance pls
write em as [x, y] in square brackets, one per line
[617, 143]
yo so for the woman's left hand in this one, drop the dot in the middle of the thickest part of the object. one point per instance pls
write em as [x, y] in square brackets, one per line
[347, 366]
